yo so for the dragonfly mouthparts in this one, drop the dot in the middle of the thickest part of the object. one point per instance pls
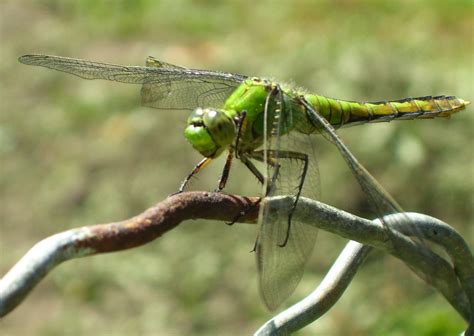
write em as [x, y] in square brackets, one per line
[197, 123]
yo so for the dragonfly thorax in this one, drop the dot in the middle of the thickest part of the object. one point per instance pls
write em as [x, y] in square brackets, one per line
[210, 131]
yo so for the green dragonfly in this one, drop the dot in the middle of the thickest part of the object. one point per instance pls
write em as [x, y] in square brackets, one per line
[258, 120]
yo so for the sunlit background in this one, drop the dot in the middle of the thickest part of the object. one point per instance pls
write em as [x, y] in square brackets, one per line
[76, 152]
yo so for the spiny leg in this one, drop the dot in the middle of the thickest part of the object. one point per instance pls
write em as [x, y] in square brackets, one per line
[241, 124]
[204, 162]
[281, 154]
[260, 156]
[259, 177]
[225, 171]
[252, 168]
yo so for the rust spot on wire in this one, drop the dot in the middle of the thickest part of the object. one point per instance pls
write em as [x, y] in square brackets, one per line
[166, 215]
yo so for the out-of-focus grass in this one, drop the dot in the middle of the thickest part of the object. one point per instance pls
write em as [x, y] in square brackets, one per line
[76, 152]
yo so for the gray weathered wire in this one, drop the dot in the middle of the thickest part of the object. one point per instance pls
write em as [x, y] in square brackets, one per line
[455, 283]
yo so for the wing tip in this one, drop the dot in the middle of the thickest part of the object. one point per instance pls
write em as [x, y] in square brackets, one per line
[31, 58]
[24, 59]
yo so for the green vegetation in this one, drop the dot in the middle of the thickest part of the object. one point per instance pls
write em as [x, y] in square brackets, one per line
[76, 152]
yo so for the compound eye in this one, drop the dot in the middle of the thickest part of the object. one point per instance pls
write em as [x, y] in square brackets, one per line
[196, 117]
[220, 126]
[201, 140]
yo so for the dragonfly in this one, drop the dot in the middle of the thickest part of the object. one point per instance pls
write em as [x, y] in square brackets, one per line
[259, 120]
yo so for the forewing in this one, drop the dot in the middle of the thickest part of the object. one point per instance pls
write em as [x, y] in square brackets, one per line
[176, 94]
[165, 86]
[281, 267]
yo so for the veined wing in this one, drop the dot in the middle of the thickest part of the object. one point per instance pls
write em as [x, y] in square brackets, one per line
[281, 259]
[380, 200]
[165, 86]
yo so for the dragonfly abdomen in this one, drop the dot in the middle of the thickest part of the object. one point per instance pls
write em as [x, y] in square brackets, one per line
[345, 113]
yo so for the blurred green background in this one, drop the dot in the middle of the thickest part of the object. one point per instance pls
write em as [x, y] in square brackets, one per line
[76, 152]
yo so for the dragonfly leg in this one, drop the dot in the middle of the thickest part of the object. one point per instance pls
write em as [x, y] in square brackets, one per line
[244, 212]
[204, 162]
[271, 160]
[260, 178]
[225, 171]
[259, 156]
[252, 168]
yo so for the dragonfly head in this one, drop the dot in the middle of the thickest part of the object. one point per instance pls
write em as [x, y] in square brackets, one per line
[210, 131]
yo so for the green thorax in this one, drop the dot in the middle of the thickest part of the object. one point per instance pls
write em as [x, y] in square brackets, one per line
[251, 97]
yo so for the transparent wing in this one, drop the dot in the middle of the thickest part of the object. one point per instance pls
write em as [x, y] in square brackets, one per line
[380, 200]
[165, 86]
[281, 267]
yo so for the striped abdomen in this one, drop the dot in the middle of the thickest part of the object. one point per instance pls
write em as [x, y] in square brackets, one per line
[345, 113]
